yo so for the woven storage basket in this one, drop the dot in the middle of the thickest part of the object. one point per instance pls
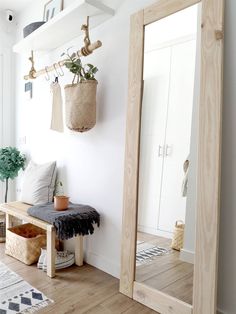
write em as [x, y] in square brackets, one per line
[80, 104]
[178, 236]
[2, 227]
[24, 242]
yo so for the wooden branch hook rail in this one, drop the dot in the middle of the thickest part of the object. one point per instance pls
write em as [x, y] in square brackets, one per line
[83, 52]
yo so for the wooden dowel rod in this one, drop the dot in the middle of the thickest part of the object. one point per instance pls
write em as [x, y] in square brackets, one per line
[61, 63]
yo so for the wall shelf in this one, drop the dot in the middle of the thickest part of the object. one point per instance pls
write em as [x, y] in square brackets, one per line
[65, 26]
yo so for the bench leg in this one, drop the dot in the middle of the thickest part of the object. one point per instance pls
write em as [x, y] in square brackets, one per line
[8, 221]
[51, 235]
[79, 251]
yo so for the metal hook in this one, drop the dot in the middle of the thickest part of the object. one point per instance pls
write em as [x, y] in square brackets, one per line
[55, 68]
[61, 73]
[47, 78]
[56, 76]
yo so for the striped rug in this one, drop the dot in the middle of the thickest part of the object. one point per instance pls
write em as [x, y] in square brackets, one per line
[147, 252]
[17, 296]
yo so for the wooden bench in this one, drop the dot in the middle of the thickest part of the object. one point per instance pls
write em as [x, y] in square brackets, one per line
[19, 210]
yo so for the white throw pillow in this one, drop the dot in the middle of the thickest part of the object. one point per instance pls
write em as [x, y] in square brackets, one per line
[38, 183]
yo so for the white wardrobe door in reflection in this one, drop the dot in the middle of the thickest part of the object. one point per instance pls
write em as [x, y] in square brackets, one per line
[154, 111]
[178, 133]
[165, 136]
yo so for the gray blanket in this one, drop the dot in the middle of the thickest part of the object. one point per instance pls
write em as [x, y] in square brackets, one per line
[76, 220]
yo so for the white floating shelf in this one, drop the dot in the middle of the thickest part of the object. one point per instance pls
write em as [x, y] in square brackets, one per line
[65, 26]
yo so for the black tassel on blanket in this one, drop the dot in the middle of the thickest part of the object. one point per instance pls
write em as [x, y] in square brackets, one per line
[76, 220]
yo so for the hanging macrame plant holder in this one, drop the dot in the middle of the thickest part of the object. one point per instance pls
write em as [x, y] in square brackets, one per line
[80, 105]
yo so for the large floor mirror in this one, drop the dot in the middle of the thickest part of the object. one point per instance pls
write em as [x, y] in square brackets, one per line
[172, 166]
[168, 154]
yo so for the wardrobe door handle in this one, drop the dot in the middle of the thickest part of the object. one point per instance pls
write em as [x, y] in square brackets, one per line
[160, 151]
[168, 150]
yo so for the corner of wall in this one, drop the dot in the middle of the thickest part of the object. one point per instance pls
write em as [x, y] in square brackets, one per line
[103, 263]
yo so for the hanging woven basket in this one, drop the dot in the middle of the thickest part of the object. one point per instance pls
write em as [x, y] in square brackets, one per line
[178, 236]
[80, 103]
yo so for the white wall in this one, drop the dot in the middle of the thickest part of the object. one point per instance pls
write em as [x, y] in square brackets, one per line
[92, 163]
[7, 116]
[188, 251]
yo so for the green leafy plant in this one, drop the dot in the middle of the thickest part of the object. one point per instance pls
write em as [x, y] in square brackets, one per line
[11, 161]
[59, 191]
[74, 64]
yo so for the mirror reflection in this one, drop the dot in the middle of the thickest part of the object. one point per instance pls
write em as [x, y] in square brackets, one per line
[168, 154]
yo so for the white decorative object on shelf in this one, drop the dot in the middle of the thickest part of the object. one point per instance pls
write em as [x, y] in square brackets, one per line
[65, 26]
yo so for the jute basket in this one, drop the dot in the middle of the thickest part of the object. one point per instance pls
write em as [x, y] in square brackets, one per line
[2, 227]
[80, 103]
[24, 242]
[178, 236]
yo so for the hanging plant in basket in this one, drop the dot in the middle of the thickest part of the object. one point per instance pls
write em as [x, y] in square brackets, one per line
[80, 96]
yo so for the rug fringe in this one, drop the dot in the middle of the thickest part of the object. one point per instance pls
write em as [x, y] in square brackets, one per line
[37, 307]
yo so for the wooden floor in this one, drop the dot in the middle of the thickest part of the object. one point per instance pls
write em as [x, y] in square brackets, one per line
[77, 290]
[166, 273]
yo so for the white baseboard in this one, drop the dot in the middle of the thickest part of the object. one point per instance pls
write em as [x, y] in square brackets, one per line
[96, 260]
[220, 312]
[157, 232]
[102, 263]
[187, 256]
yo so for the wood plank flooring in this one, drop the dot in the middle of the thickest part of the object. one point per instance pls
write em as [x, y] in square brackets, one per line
[166, 273]
[78, 290]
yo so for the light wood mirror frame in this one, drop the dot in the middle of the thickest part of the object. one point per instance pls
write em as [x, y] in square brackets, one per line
[209, 160]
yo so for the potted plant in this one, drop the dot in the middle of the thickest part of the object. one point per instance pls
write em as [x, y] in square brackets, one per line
[61, 202]
[11, 161]
[80, 96]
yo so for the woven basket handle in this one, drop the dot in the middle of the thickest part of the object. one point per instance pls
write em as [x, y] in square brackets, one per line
[179, 224]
